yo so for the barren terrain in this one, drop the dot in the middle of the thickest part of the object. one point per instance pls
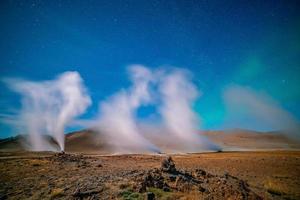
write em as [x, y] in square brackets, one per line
[223, 175]
[251, 165]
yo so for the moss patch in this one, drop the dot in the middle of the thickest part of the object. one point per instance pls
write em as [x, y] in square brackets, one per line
[129, 194]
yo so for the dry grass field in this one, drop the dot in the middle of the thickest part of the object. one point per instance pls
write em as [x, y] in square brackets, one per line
[223, 175]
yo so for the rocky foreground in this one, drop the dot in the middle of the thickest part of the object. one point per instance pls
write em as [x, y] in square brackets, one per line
[75, 176]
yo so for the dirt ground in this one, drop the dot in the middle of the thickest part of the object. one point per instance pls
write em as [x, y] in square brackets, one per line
[223, 175]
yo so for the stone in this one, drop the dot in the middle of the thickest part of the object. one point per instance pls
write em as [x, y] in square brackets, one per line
[150, 196]
[168, 165]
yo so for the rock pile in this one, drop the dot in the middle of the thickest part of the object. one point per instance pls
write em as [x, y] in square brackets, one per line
[168, 165]
[209, 186]
[153, 178]
[63, 157]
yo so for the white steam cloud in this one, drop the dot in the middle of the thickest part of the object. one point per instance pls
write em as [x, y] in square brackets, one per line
[117, 118]
[48, 106]
[248, 108]
[174, 93]
[178, 95]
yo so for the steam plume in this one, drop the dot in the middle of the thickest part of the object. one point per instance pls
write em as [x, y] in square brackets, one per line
[178, 94]
[118, 113]
[244, 105]
[48, 106]
[174, 95]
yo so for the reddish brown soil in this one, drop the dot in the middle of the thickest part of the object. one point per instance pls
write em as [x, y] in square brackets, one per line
[23, 175]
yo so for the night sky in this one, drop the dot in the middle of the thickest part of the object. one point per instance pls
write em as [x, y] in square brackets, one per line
[249, 43]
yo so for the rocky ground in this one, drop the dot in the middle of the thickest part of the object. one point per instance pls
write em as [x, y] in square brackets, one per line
[231, 175]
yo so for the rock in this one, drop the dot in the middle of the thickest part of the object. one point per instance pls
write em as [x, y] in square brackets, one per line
[200, 172]
[142, 187]
[172, 177]
[3, 196]
[178, 179]
[150, 196]
[210, 186]
[201, 189]
[166, 189]
[168, 165]
[63, 157]
[226, 174]
[153, 178]
[81, 194]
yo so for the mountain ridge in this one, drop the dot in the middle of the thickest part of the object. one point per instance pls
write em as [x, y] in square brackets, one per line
[88, 140]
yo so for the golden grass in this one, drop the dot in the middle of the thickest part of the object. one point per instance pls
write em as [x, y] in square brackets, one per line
[38, 162]
[274, 187]
[57, 192]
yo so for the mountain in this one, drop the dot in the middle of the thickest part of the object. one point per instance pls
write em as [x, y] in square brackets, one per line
[240, 139]
[236, 139]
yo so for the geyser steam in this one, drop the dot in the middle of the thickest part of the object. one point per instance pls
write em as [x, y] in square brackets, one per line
[48, 106]
[117, 118]
[174, 93]
[246, 107]
[178, 95]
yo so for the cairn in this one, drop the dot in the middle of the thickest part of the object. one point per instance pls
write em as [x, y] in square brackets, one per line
[168, 165]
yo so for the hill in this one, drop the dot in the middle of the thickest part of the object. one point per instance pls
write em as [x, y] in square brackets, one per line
[232, 140]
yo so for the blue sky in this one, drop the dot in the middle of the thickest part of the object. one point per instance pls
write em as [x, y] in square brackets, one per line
[251, 43]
